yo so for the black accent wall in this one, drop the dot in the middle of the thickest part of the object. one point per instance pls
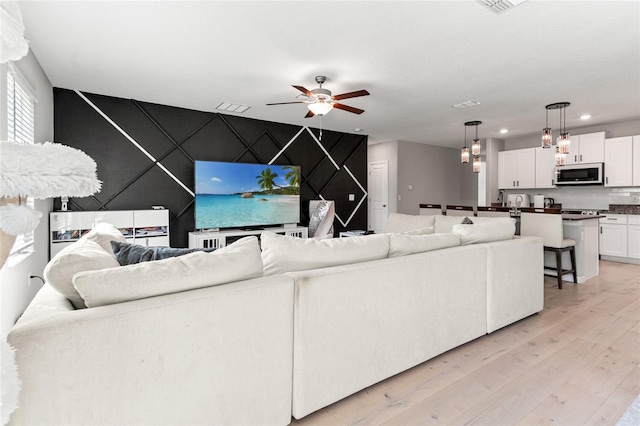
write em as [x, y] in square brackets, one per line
[176, 137]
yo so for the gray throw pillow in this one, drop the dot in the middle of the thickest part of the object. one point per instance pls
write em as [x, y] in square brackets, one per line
[466, 221]
[128, 254]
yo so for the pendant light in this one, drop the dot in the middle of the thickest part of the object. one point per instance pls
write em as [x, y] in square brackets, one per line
[559, 157]
[476, 164]
[546, 132]
[563, 141]
[464, 152]
[475, 148]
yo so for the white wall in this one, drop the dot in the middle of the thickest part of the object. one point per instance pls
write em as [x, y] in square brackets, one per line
[434, 172]
[436, 175]
[15, 288]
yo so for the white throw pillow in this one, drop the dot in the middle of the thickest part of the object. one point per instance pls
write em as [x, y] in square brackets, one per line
[486, 232]
[83, 255]
[281, 253]
[103, 233]
[397, 222]
[238, 261]
[403, 244]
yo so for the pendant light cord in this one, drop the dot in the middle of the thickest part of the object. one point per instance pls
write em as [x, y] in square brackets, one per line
[465, 135]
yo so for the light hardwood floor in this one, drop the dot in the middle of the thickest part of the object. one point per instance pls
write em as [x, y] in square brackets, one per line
[576, 362]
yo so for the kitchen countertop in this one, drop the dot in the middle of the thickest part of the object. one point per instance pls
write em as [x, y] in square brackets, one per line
[569, 216]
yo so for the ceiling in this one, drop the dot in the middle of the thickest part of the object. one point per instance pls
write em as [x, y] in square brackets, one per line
[416, 58]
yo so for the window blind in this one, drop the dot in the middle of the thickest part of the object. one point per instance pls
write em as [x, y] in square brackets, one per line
[20, 128]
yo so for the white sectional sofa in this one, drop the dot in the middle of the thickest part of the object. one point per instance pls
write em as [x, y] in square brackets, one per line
[327, 319]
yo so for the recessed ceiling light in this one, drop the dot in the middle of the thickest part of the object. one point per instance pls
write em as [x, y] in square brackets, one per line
[585, 117]
[504, 130]
[357, 129]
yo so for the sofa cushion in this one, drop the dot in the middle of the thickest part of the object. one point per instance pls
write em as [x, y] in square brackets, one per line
[485, 232]
[421, 231]
[397, 222]
[444, 224]
[281, 253]
[238, 261]
[403, 244]
[103, 233]
[83, 255]
[128, 254]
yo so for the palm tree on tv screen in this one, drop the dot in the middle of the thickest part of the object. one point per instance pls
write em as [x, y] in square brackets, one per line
[293, 175]
[266, 179]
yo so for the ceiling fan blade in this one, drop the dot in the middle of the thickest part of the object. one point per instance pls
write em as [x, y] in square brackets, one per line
[309, 114]
[285, 103]
[348, 108]
[351, 95]
[305, 91]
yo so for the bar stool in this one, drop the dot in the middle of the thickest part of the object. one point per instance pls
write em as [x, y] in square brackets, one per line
[548, 226]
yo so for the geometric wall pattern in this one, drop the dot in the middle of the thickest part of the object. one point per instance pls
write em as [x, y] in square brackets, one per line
[145, 154]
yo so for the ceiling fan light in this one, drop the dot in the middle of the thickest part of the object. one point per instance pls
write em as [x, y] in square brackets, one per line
[464, 155]
[320, 108]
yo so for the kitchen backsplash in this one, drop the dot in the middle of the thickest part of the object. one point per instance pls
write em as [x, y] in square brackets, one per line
[594, 197]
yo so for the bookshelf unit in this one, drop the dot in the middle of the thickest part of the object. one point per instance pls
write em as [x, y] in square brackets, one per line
[219, 239]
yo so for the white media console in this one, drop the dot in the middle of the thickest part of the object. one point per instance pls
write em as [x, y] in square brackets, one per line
[142, 227]
[219, 239]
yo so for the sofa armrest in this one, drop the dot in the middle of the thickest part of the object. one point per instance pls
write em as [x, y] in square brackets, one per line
[515, 280]
[216, 355]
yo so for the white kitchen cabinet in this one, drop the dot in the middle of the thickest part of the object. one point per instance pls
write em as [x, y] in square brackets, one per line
[613, 235]
[633, 236]
[587, 148]
[618, 161]
[545, 168]
[636, 160]
[517, 169]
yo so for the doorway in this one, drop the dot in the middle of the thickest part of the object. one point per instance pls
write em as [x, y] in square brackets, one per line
[378, 195]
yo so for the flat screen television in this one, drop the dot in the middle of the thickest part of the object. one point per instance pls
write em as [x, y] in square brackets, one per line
[235, 195]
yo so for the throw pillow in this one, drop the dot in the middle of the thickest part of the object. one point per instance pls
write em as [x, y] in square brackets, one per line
[467, 221]
[281, 253]
[103, 233]
[403, 244]
[485, 232]
[397, 222]
[128, 254]
[83, 255]
[238, 261]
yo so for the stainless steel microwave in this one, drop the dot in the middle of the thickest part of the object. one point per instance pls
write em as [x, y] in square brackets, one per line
[580, 174]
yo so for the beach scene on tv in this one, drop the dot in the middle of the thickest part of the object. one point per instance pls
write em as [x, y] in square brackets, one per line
[231, 195]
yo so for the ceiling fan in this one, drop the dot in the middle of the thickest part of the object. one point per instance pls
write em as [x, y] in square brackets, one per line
[319, 101]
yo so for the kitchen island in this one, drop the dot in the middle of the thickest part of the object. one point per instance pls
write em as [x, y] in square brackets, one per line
[584, 230]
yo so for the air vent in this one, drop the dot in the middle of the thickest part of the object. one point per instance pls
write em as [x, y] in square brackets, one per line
[231, 107]
[467, 104]
[499, 6]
